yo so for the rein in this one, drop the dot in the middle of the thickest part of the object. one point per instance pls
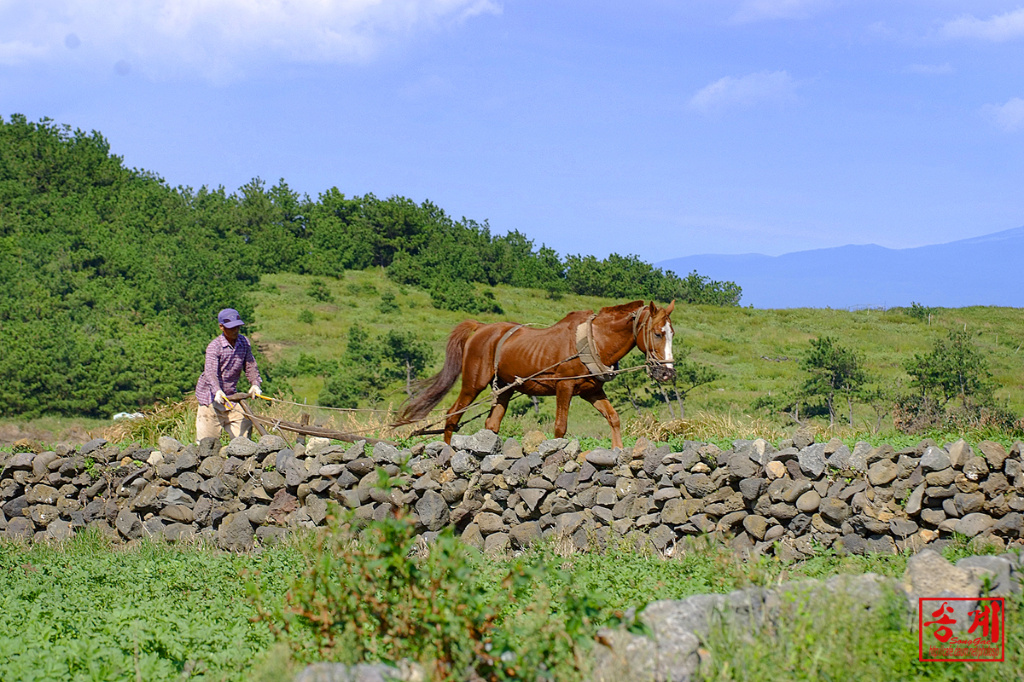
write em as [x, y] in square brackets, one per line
[648, 335]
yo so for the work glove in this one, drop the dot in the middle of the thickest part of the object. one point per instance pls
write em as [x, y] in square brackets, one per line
[254, 391]
[219, 397]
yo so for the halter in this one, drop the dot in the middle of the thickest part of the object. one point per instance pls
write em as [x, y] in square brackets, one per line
[648, 335]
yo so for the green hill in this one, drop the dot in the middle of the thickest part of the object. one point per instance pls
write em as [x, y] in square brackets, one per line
[757, 353]
[110, 280]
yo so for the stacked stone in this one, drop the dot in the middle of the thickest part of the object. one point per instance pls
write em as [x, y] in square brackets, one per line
[506, 494]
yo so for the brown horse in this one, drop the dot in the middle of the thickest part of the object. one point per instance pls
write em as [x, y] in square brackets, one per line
[572, 357]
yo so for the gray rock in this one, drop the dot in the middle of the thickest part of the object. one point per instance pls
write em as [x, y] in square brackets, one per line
[464, 463]
[59, 530]
[859, 457]
[92, 446]
[812, 460]
[551, 446]
[178, 513]
[484, 442]
[432, 511]
[236, 533]
[270, 535]
[385, 453]
[902, 528]
[601, 457]
[974, 524]
[840, 458]
[241, 447]
[41, 494]
[935, 459]
[834, 510]
[882, 472]
[494, 463]
[168, 445]
[975, 469]
[994, 454]
[128, 524]
[808, 502]
[360, 467]
[998, 568]
[526, 533]
[756, 525]
[316, 508]
[915, 500]
[363, 672]
[675, 512]
[751, 488]
[496, 543]
[740, 466]
[699, 485]
[967, 503]
[23, 528]
[270, 443]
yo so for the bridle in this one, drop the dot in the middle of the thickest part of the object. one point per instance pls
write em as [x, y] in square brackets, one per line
[645, 326]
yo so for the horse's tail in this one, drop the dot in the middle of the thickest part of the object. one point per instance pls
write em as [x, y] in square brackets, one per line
[432, 390]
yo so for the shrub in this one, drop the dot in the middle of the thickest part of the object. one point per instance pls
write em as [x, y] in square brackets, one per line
[377, 594]
[318, 291]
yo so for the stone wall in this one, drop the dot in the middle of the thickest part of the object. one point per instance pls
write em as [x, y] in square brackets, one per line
[501, 494]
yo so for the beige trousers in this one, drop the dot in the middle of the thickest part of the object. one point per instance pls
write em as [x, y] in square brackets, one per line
[211, 418]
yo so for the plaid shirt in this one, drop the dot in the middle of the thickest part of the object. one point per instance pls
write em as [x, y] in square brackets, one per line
[224, 365]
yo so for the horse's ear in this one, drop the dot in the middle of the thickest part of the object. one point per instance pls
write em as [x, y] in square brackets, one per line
[670, 307]
[652, 308]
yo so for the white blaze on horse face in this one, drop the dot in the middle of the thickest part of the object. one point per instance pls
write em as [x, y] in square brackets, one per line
[667, 329]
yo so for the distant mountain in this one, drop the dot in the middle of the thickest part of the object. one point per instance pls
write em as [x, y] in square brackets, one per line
[985, 270]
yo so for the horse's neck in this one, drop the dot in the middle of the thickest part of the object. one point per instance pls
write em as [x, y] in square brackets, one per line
[613, 335]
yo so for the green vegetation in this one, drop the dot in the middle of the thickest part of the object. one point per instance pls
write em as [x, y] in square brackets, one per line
[87, 610]
[110, 280]
[833, 368]
[736, 366]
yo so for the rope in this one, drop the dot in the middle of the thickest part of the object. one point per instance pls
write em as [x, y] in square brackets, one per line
[492, 397]
[322, 407]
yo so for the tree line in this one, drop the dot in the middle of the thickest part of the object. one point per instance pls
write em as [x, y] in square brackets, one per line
[110, 278]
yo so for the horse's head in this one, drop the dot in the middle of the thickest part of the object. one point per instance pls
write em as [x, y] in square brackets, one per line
[653, 331]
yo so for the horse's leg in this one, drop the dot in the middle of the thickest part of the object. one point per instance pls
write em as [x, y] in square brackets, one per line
[600, 401]
[466, 396]
[498, 411]
[563, 394]
[475, 377]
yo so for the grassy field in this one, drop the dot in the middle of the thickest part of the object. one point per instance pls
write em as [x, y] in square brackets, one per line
[87, 610]
[757, 352]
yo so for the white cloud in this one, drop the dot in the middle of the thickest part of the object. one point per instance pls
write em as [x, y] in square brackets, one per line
[996, 29]
[1009, 116]
[219, 38]
[764, 87]
[757, 10]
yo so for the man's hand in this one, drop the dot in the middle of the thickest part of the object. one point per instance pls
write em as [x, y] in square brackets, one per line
[219, 397]
[254, 391]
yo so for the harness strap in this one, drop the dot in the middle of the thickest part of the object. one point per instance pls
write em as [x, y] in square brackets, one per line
[497, 359]
[586, 348]
[501, 342]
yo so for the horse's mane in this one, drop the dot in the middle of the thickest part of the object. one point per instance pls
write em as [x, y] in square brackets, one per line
[621, 308]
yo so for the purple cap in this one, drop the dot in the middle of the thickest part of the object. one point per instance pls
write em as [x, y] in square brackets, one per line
[229, 318]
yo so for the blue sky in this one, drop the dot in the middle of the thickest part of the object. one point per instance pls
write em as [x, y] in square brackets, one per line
[649, 127]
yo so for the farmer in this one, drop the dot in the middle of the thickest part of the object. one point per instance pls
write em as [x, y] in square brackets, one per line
[226, 357]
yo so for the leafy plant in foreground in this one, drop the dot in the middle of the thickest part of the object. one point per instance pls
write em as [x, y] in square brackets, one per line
[379, 595]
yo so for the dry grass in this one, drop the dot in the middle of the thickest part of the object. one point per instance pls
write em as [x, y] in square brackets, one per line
[706, 427]
[178, 420]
